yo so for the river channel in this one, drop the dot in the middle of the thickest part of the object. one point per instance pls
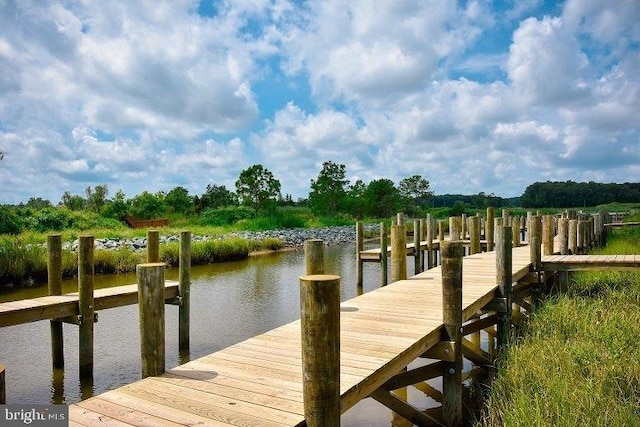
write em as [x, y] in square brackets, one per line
[230, 302]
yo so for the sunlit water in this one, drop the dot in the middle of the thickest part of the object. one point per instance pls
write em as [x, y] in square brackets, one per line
[230, 302]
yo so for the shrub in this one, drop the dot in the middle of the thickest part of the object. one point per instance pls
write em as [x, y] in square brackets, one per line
[9, 222]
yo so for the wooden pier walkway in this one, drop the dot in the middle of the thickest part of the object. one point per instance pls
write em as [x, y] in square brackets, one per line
[258, 382]
[60, 306]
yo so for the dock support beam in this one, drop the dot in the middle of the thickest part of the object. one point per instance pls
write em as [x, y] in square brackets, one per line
[474, 235]
[417, 252]
[488, 229]
[504, 279]
[451, 253]
[184, 289]
[85, 292]
[359, 263]
[151, 310]
[153, 246]
[314, 256]
[384, 260]
[398, 253]
[54, 280]
[320, 335]
[548, 233]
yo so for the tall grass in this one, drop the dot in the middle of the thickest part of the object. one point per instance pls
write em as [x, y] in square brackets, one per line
[578, 363]
[24, 263]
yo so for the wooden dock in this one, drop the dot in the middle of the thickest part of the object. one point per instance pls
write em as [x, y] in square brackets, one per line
[258, 382]
[61, 306]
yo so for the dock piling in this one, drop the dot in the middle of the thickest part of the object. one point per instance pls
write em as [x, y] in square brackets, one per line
[314, 256]
[451, 253]
[474, 235]
[184, 289]
[151, 312]
[417, 252]
[383, 254]
[504, 262]
[359, 263]
[153, 246]
[85, 292]
[54, 281]
[320, 335]
[489, 228]
[398, 253]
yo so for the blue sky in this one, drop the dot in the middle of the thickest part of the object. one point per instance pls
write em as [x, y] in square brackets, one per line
[475, 96]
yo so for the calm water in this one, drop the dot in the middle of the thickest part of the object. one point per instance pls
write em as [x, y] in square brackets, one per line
[230, 302]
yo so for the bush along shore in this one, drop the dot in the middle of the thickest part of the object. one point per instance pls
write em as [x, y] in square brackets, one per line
[25, 264]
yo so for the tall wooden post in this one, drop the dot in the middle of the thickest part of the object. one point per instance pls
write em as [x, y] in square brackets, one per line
[398, 253]
[451, 253]
[474, 234]
[151, 312]
[581, 235]
[489, 228]
[454, 228]
[54, 280]
[430, 251]
[184, 286]
[3, 389]
[314, 256]
[548, 233]
[504, 278]
[153, 246]
[384, 260]
[573, 236]
[417, 252]
[515, 231]
[463, 226]
[320, 336]
[535, 240]
[505, 217]
[423, 236]
[359, 263]
[441, 227]
[563, 235]
[85, 295]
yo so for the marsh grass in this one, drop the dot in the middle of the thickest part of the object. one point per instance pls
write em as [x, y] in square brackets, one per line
[578, 362]
[24, 262]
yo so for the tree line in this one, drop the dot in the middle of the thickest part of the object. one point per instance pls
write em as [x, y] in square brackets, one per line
[258, 192]
[570, 194]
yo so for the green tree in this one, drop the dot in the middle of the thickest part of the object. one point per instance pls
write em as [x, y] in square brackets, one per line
[381, 198]
[97, 197]
[328, 192]
[72, 202]
[178, 200]
[147, 205]
[354, 201]
[416, 192]
[215, 196]
[118, 207]
[38, 203]
[257, 188]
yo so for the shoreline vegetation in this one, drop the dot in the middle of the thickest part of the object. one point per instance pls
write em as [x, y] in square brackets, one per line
[23, 256]
[577, 363]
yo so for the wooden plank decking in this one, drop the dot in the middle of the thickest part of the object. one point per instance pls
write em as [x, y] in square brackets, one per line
[590, 262]
[258, 382]
[52, 307]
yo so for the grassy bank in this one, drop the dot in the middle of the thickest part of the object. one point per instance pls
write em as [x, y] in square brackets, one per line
[23, 261]
[578, 362]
